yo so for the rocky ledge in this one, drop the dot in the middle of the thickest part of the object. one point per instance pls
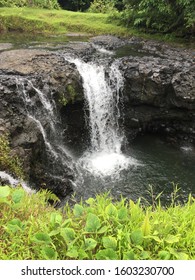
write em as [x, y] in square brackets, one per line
[31, 71]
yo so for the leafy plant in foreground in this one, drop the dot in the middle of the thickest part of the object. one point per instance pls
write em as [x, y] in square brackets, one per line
[95, 229]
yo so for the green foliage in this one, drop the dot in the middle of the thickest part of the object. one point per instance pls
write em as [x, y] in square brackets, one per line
[57, 21]
[102, 6]
[47, 4]
[160, 16]
[9, 161]
[96, 229]
[75, 5]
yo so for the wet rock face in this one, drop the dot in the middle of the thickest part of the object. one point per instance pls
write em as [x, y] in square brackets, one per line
[159, 93]
[49, 73]
[159, 82]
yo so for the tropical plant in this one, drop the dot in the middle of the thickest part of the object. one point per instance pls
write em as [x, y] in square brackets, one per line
[98, 228]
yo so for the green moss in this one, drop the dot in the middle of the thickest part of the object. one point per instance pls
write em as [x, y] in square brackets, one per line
[8, 161]
[71, 92]
[63, 101]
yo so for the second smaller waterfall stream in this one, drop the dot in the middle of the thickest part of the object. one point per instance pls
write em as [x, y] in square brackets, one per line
[102, 89]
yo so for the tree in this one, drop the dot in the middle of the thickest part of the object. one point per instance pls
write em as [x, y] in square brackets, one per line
[161, 15]
[75, 5]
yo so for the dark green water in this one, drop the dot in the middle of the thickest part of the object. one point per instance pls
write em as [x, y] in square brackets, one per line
[161, 167]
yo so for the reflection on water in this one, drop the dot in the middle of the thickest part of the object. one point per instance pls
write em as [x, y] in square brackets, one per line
[23, 40]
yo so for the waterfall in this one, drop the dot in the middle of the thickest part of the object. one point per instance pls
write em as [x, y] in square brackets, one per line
[41, 108]
[102, 89]
[15, 182]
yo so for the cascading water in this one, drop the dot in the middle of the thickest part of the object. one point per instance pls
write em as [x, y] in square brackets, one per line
[102, 89]
[41, 109]
[15, 182]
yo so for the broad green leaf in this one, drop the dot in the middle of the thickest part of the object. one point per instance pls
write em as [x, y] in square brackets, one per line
[55, 219]
[122, 213]
[130, 255]
[82, 254]
[68, 234]
[90, 201]
[107, 254]
[78, 210]
[137, 237]
[54, 232]
[171, 239]
[15, 225]
[4, 191]
[92, 223]
[49, 253]
[182, 256]
[16, 222]
[178, 255]
[90, 244]
[144, 255]
[164, 255]
[17, 195]
[102, 229]
[72, 252]
[41, 237]
[109, 242]
[111, 210]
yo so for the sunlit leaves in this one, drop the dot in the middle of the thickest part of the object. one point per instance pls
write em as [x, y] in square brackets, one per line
[68, 234]
[41, 237]
[109, 242]
[111, 210]
[107, 254]
[4, 191]
[93, 223]
[137, 237]
[78, 210]
[98, 229]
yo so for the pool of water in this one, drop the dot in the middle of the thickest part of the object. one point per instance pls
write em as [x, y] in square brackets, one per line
[153, 163]
[52, 42]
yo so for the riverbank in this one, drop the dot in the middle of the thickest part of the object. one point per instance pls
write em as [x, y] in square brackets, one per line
[57, 21]
[62, 22]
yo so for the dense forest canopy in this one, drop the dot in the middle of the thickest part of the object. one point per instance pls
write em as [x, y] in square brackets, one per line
[164, 16]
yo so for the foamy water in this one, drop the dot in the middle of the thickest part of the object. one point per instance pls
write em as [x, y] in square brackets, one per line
[107, 164]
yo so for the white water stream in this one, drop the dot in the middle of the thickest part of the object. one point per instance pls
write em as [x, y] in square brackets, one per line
[102, 89]
[15, 182]
[46, 119]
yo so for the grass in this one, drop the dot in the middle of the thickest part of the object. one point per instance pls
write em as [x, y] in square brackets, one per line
[61, 22]
[98, 228]
[57, 21]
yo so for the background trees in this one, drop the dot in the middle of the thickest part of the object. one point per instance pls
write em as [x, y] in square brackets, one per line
[160, 15]
[164, 16]
[75, 5]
